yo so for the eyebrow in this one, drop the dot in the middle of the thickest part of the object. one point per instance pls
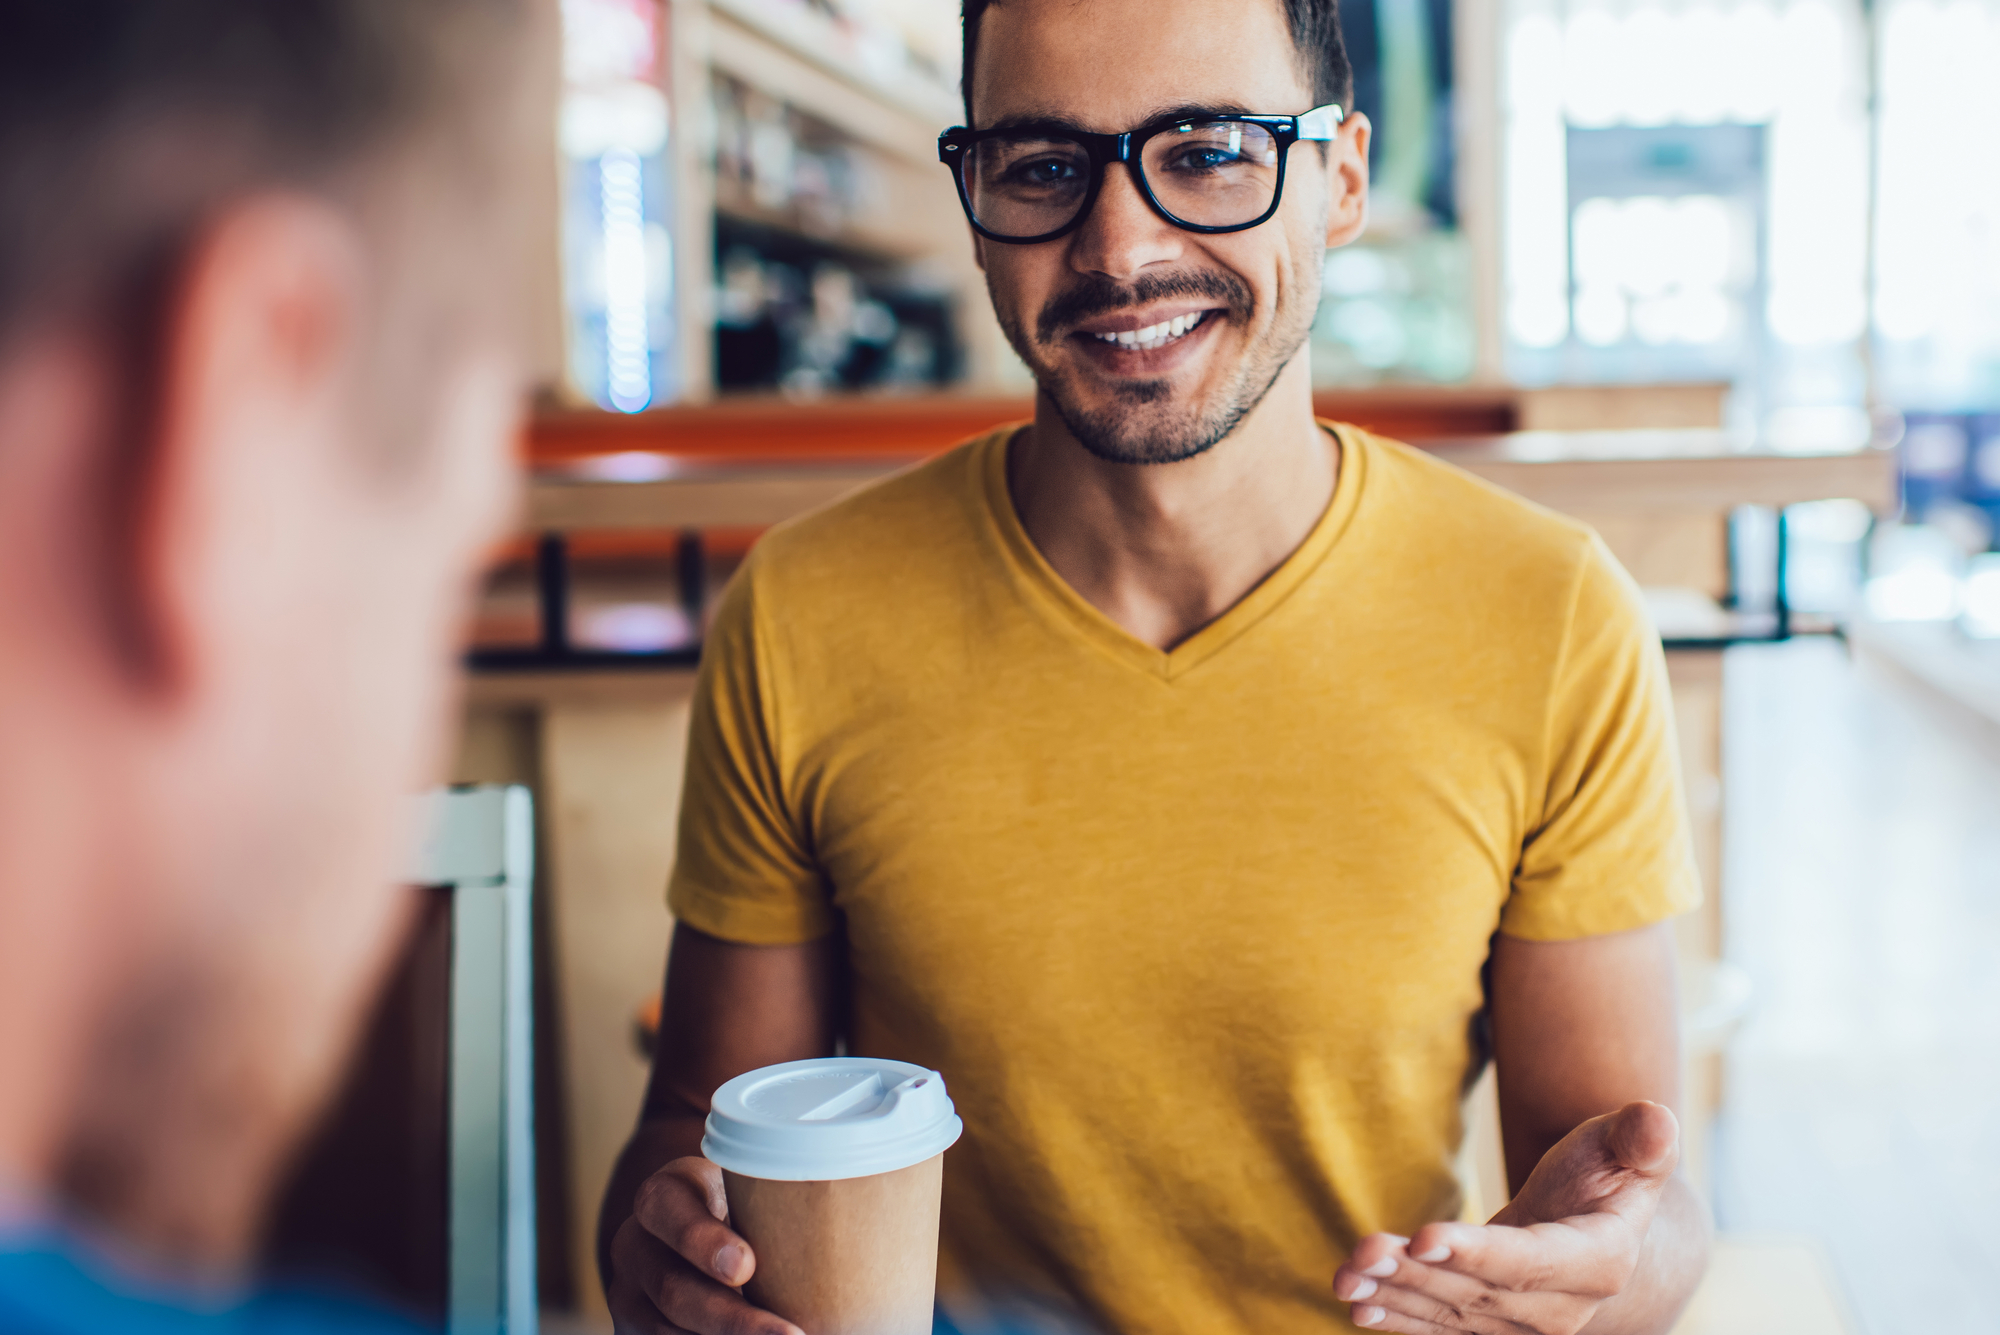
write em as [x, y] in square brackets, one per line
[1064, 125]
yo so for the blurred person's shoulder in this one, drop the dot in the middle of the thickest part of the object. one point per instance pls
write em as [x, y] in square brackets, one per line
[51, 1285]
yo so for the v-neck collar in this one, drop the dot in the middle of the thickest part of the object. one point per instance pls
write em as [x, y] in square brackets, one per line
[1051, 595]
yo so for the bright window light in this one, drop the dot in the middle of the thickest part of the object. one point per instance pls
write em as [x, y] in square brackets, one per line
[1981, 596]
[1672, 287]
[1937, 239]
[1916, 575]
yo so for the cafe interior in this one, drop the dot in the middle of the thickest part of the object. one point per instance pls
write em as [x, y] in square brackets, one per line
[1720, 278]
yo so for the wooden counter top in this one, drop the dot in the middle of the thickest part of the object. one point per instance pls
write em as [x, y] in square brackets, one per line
[889, 426]
[1671, 472]
[1656, 473]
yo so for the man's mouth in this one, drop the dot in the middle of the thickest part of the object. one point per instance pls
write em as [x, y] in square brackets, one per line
[1153, 336]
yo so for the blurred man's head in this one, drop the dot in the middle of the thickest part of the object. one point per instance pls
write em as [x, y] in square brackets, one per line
[257, 391]
[1244, 300]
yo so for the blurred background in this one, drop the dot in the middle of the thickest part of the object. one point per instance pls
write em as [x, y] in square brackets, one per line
[1721, 277]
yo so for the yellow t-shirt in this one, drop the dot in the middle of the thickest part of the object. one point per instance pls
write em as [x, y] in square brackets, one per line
[1195, 937]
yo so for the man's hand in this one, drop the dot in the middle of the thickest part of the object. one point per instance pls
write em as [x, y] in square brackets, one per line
[677, 1266]
[1567, 1244]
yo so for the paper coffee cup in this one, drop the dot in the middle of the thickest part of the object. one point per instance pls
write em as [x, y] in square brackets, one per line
[833, 1169]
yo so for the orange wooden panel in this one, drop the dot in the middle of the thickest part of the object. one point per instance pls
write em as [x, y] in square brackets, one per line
[771, 428]
[914, 426]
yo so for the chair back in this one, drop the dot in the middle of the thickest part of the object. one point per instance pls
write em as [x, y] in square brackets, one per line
[480, 843]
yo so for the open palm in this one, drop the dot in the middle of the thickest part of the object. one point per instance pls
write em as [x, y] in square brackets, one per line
[1568, 1242]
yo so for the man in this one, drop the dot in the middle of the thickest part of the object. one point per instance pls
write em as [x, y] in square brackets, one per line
[1193, 784]
[258, 390]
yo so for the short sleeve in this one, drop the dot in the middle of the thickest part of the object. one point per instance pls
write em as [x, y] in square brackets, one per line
[1611, 850]
[742, 871]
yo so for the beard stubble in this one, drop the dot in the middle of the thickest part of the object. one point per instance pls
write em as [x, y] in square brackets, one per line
[1142, 425]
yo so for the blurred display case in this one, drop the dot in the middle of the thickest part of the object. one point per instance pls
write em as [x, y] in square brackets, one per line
[752, 204]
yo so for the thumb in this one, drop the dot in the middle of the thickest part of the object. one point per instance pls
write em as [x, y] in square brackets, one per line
[1645, 1137]
[1617, 1162]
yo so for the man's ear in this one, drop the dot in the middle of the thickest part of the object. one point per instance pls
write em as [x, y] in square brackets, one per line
[1347, 183]
[258, 347]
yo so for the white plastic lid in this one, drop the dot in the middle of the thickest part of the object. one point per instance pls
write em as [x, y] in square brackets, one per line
[829, 1118]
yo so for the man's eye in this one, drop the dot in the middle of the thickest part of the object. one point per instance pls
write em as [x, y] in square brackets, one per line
[1204, 159]
[1042, 171]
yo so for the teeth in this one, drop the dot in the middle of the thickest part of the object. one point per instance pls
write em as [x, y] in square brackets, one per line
[1155, 335]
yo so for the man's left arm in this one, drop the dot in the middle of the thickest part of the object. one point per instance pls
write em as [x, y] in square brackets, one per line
[1603, 1235]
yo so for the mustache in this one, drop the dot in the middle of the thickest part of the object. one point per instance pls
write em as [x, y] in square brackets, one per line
[1097, 295]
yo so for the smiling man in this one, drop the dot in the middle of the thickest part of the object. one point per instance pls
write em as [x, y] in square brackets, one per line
[1206, 790]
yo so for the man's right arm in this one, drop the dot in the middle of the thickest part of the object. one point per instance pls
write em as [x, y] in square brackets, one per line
[663, 1245]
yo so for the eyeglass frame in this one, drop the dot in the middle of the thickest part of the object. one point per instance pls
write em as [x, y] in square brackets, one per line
[1319, 125]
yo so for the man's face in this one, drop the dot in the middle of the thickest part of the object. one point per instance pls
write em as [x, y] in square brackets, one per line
[1111, 66]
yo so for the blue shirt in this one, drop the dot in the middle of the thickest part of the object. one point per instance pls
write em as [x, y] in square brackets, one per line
[52, 1285]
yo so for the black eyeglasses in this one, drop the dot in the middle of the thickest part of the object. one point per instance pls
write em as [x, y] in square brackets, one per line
[1023, 184]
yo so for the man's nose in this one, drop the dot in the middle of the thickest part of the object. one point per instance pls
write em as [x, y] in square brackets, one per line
[1123, 234]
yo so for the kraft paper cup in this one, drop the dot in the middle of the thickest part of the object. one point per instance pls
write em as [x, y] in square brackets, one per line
[833, 1170]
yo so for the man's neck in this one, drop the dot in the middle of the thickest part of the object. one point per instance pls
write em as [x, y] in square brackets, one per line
[1164, 549]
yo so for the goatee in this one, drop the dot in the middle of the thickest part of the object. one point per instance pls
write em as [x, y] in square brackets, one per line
[1126, 431]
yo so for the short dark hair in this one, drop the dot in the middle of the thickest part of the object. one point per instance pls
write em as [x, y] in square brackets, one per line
[124, 122]
[1315, 28]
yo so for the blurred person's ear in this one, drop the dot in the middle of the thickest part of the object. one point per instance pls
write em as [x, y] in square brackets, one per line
[259, 347]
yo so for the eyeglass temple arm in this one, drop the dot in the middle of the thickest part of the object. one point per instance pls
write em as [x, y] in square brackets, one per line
[1321, 122]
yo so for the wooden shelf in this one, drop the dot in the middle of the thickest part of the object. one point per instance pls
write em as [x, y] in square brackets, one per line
[837, 48]
[733, 201]
[761, 462]
[916, 425]
[813, 36]
[1660, 474]
[775, 56]
[863, 426]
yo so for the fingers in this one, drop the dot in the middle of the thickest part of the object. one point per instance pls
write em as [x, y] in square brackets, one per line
[1490, 1280]
[1588, 1255]
[1384, 1275]
[683, 1206]
[1414, 1314]
[1645, 1137]
[1375, 1257]
[676, 1265]
[1420, 1313]
[632, 1313]
[1446, 1297]
[655, 1291]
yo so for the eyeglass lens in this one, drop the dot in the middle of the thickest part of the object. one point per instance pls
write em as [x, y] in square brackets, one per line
[1220, 173]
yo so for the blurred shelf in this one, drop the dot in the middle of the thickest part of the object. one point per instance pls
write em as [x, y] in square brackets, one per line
[762, 461]
[912, 426]
[1672, 472]
[1419, 412]
[806, 58]
[769, 427]
[734, 202]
